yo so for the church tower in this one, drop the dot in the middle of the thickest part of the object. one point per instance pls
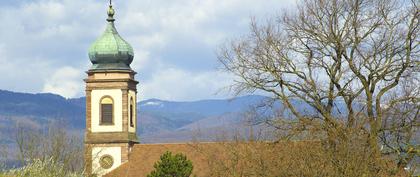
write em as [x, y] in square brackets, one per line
[110, 102]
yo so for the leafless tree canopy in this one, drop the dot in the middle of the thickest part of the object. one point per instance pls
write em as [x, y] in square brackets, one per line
[362, 53]
[54, 145]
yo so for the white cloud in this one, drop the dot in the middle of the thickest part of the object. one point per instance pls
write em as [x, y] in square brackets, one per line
[37, 37]
[176, 84]
[65, 81]
[44, 43]
[21, 74]
[143, 45]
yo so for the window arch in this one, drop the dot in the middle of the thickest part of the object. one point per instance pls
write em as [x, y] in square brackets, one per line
[107, 111]
[132, 112]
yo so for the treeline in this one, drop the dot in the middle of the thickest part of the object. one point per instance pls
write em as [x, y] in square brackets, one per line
[49, 152]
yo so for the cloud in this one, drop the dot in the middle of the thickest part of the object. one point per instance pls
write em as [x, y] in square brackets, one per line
[40, 37]
[44, 43]
[23, 74]
[66, 81]
[176, 84]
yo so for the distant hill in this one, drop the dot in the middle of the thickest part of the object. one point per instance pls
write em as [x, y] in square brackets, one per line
[42, 106]
[204, 107]
[169, 121]
[156, 117]
[158, 120]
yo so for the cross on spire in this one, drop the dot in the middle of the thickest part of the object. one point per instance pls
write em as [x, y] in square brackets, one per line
[110, 2]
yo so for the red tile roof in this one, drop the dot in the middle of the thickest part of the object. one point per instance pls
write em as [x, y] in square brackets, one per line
[202, 155]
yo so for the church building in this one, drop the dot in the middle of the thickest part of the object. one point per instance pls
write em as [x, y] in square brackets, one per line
[111, 96]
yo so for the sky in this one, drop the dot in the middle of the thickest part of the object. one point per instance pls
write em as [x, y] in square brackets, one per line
[44, 43]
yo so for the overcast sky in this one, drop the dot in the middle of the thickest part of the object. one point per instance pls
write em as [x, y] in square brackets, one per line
[44, 43]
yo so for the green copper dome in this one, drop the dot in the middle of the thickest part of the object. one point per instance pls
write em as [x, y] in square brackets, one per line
[110, 51]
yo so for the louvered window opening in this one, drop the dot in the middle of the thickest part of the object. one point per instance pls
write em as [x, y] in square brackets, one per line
[106, 114]
[131, 115]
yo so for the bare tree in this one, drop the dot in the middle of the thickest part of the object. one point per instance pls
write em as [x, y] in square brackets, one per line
[54, 144]
[400, 128]
[329, 53]
[3, 157]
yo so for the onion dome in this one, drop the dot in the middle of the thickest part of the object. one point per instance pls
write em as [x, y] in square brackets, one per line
[111, 51]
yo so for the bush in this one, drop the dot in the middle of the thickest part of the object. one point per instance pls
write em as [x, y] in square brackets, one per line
[172, 166]
[42, 168]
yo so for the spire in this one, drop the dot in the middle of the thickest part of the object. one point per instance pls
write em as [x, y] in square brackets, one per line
[111, 12]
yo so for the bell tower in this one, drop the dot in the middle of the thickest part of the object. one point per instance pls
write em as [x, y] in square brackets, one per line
[111, 97]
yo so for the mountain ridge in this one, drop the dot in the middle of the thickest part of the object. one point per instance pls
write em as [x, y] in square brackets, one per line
[155, 116]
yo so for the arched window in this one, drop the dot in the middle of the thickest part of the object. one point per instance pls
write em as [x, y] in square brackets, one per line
[107, 111]
[131, 112]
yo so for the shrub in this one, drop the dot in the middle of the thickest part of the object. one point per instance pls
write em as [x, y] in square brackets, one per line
[172, 166]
